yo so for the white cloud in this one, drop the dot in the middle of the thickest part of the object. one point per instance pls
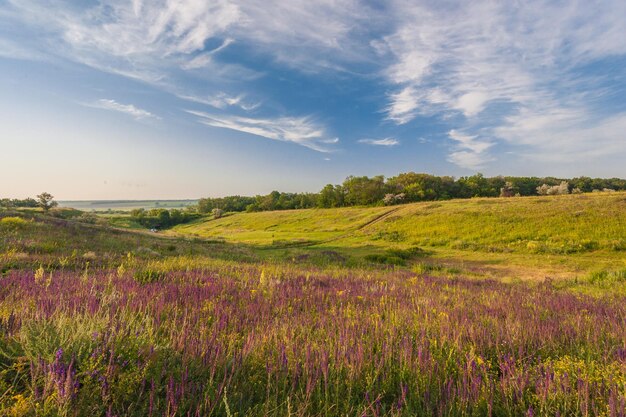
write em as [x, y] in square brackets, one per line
[469, 151]
[123, 36]
[300, 130]
[502, 70]
[222, 101]
[489, 69]
[128, 109]
[565, 136]
[380, 142]
[205, 59]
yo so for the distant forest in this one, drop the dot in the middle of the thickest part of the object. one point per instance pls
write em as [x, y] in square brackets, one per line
[409, 187]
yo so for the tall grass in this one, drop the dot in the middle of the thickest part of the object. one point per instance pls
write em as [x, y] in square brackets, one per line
[268, 340]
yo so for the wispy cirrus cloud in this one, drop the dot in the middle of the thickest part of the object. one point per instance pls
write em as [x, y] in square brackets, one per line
[203, 60]
[176, 46]
[496, 69]
[299, 130]
[380, 142]
[223, 100]
[491, 70]
[137, 37]
[12, 50]
[129, 109]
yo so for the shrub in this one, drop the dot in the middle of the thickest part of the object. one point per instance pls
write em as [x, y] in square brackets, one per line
[561, 189]
[13, 222]
[217, 213]
[396, 256]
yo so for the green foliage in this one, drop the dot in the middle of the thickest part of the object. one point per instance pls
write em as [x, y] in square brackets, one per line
[16, 203]
[231, 203]
[161, 218]
[396, 256]
[331, 196]
[46, 201]
[363, 191]
[606, 278]
[411, 186]
[148, 276]
[13, 223]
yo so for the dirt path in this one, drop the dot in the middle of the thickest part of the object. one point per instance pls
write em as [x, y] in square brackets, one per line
[375, 220]
[378, 219]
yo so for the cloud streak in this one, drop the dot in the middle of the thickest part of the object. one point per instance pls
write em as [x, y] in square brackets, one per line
[129, 109]
[380, 142]
[223, 101]
[299, 130]
[469, 151]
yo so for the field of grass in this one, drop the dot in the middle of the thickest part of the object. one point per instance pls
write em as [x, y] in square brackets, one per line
[557, 233]
[284, 227]
[554, 224]
[319, 312]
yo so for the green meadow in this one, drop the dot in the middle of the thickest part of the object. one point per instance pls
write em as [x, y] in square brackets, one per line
[559, 234]
[490, 306]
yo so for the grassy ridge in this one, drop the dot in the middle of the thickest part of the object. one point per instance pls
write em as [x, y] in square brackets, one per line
[557, 224]
[28, 240]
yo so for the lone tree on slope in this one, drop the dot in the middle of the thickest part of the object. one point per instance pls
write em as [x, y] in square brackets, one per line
[46, 202]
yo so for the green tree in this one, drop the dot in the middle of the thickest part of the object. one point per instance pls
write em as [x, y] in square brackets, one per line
[46, 201]
[362, 191]
[330, 196]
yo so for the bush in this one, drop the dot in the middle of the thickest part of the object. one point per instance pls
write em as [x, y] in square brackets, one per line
[13, 223]
[561, 189]
[396, 256]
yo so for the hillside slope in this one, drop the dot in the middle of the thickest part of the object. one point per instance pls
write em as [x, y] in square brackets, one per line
[555, 224]
[518, 237]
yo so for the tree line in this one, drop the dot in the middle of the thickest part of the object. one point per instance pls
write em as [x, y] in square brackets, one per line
[45, 201]
[160, 218]
[407, 188]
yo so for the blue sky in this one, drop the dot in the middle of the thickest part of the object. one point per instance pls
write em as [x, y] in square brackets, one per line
[188, 98]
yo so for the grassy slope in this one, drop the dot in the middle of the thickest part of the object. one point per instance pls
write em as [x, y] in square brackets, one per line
[68, 243]
[576, 232]
[296, 226]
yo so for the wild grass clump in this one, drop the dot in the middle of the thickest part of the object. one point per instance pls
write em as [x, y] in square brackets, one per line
[608, 277]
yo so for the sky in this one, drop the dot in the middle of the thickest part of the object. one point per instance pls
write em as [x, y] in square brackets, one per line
[137, 99]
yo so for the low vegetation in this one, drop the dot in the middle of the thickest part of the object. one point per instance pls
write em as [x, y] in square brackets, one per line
[346, 311]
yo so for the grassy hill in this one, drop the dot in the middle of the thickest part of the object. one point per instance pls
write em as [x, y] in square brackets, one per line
[578, 230]
[288, 226]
